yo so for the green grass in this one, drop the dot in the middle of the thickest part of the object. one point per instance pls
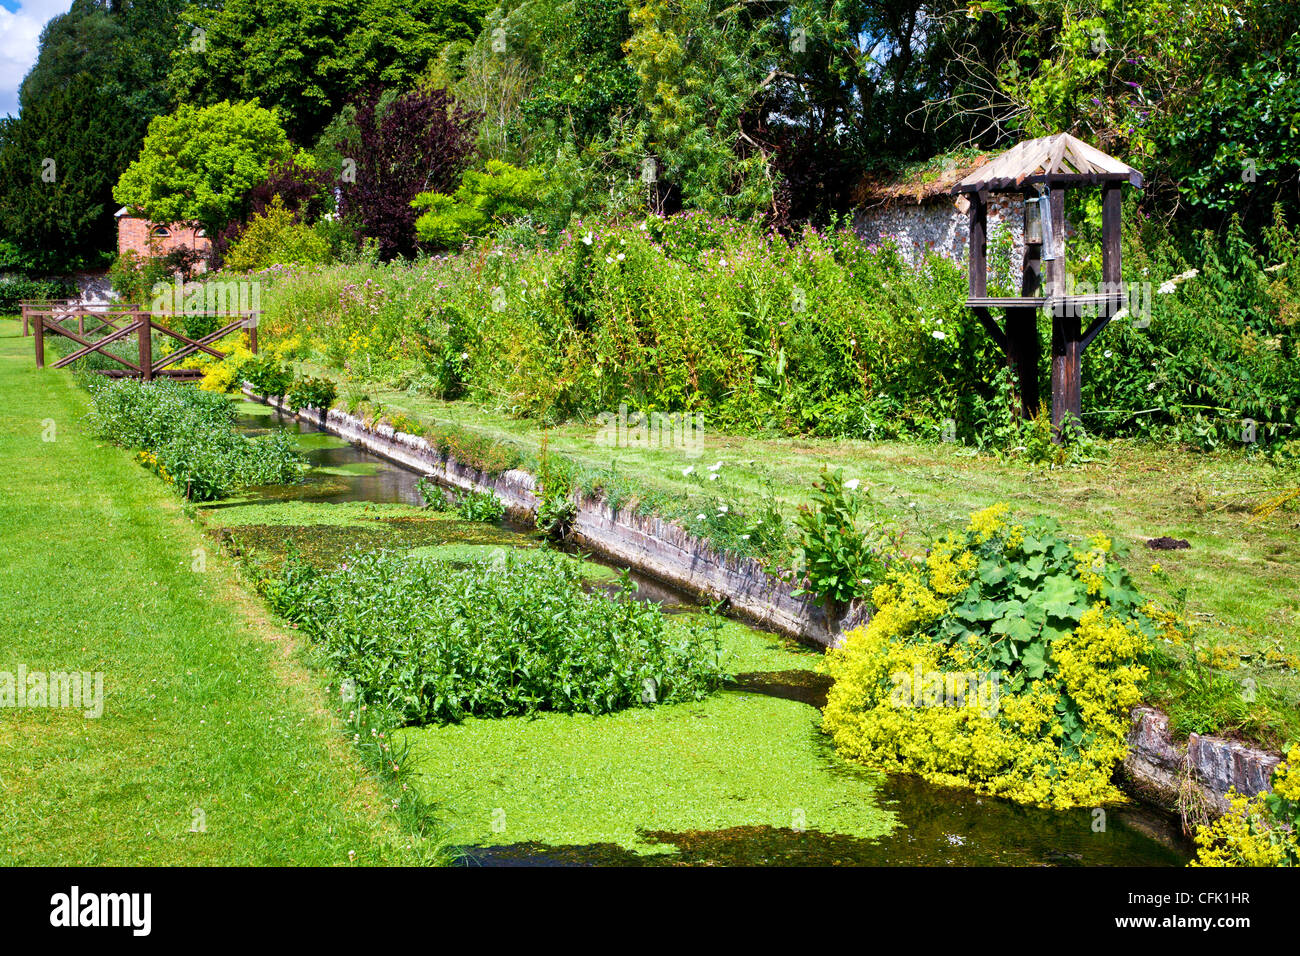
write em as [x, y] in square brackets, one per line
[738, 759]
[207, 706]
[1240, 574]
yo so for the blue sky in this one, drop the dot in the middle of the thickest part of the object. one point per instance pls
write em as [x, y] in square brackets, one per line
[21, 22]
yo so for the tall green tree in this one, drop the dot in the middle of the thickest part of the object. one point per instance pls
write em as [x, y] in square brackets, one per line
[98, 79]
[200, 163]
[58, 163]
[308, 58]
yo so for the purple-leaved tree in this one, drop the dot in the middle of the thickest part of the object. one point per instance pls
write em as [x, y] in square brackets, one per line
[419, 142]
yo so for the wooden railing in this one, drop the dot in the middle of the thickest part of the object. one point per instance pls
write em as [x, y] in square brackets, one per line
[73, 309]
[124, 323]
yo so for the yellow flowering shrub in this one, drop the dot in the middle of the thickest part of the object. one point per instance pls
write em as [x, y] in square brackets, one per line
[1263, 830]
[224, 376]
[1005, 661]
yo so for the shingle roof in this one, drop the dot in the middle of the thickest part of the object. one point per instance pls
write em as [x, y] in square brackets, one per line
[1060, 158]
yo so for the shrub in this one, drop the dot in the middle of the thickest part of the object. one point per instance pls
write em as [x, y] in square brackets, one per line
[418, 141]
[483, 201]
[309, 392]
[433, 495]
[838, 560]
[480, 506]
[187, 437]
[435, 643]
[1006, 661]
[1263, 830]
[266, 375]
[276, 238]
[16, 289]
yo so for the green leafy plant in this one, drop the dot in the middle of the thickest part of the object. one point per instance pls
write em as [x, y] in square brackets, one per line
[555, 514]
[483, 201]
[480, 506]
[429, 642]
[1007, 660]
[187, 437]
[433, 495]
[839, 562]
[266, 375]
[276, 237]
[310, 392]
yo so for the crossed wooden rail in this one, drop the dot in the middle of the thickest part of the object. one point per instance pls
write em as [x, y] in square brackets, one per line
[44, 318]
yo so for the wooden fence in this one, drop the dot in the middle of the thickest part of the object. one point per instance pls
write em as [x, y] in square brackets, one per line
[124, 322]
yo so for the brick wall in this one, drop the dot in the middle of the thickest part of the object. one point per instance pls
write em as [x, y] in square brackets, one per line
[136, 235]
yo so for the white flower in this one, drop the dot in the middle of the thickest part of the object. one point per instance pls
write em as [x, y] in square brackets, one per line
[609, 260]
[722, 509]
[687, 470]
[852, 484]
[722, 262]
[620, 257]
[1151, 386]
[744, 537]
[586, 240]
[699, 517]
[713, 477]
[1108, 353]
[642, 227]
[715, 466]
[939, 335]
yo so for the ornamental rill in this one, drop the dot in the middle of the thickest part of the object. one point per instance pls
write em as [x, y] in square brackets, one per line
[1059, 630]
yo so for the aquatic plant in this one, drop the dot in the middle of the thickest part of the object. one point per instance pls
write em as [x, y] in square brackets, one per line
[432, 642]
[187, 436]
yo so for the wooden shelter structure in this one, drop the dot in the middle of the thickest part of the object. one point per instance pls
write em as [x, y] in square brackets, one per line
[1042, 169]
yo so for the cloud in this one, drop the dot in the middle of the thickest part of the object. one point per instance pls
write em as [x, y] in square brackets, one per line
[20, 34]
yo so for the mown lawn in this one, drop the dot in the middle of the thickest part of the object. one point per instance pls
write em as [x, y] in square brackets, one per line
[216, 746]
[1241, 574]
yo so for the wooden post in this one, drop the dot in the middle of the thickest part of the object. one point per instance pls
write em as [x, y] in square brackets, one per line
[979, 257]
[26, 329]
[252, 332]
[1067, 347]
[1023, 347]
[38, 329]
[144, 332]
[1111, 272]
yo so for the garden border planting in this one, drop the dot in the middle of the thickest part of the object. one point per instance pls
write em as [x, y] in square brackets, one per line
[1157, 769]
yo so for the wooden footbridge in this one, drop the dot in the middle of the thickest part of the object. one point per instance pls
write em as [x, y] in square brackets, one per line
[122, 323]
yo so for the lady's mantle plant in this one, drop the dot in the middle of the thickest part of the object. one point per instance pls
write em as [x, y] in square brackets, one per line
[1007, 661]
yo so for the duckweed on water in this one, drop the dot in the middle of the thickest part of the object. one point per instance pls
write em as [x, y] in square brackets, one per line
[323, 533]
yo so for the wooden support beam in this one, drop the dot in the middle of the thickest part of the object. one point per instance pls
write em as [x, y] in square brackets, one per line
[95, 347]
[1067, 344]
[991, 327]
[144, 332]
[1023, 347]
[979, 256]
[1111, 273]
[38, 330]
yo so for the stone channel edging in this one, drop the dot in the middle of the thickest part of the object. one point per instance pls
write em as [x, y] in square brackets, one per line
[652, 546]
[1195, 775]
[1158, 769]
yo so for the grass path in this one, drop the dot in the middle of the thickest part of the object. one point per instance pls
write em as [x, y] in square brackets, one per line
[208, 717]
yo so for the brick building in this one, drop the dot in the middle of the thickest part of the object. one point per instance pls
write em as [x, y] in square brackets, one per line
[147, 239]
